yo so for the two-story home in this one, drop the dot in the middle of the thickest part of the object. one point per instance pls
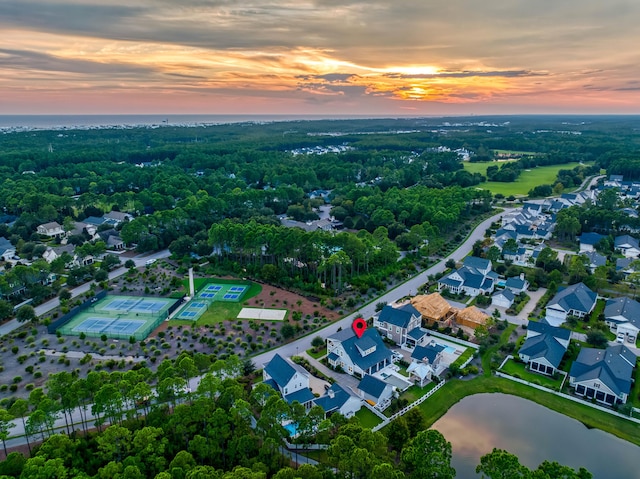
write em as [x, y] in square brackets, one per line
[52, 230]
[628, 246]
[575, 300]
[473, 278]
[544, 347]
[290, 379]
[603, 374]
[622, 315]
[397, 324]
[358, 356]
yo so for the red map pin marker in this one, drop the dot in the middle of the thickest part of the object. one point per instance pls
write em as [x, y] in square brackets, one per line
[359, 326]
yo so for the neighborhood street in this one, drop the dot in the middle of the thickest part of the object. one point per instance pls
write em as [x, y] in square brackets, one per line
[295, 347]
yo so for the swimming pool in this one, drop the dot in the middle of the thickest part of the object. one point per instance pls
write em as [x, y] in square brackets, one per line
[292, 429]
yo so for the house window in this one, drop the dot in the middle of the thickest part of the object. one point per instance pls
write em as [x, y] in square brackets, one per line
[398, 329]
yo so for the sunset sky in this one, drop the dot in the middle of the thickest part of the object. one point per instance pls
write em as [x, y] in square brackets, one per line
[325, 57]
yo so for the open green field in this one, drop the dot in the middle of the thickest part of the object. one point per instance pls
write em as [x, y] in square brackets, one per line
[482, 167]
[542, 175]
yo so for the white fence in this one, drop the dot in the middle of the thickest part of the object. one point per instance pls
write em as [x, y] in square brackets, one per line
[409, 407]
[569, 397]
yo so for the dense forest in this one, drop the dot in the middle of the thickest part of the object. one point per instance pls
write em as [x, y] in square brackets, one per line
[399, 182]
[226, 429]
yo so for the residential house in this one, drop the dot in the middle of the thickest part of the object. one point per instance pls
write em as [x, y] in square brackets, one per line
[622, 315]
[575, 300]
[425, 363]
[628, 246]
[544, 347]
[624, 266]
[336, 399]
[395, 323]
[7, 250]
[52, 230]
[434, 309]
[290, 379]
[503, 298]
[588, 241]
[473, 278]
[375, 391]
[603, 374]
[112, 239]
[116, 217]
[517, 284]
[358, 356]
[595, 259]
[94, 220]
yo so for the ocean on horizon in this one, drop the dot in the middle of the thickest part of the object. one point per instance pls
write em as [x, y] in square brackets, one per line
[45, 122]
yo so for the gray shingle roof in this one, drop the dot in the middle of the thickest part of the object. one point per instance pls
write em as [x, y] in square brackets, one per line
[329, 403]
[351, 344]
[545, 328]
[544, 346]
[475, 262]
[282, 370]
[612, 366]
[625, 307]
[626, 240]
[372, 386]
[590, 238]
[507, 293]
[595, 258]
[575, 297]
[398, 316]
[302, 396]
[429, 352]
[514, 282]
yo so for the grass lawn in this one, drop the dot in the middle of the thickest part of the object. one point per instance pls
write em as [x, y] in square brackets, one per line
[516, 369]
[311, 352]
[463, 357]
[416, 392]
[452, 392]
[634, 395]
[504, 339]
[542, 175]
[367, 418]
[590, 324]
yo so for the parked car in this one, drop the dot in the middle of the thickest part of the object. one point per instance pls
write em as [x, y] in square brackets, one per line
[620, 338]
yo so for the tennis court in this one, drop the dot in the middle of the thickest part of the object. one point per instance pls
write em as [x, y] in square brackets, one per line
[104, 326]
[120, 317]
[207, 295]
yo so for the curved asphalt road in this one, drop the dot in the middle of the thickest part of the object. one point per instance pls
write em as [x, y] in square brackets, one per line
[409, 287]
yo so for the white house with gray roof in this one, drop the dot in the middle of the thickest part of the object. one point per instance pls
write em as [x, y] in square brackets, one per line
[622, 315]
[544, 347]
[628, 246]
[503, 298]
[603, 374]
[289, 379]
[358, 356]
[473, 278]
[7, 250]
[575, 300]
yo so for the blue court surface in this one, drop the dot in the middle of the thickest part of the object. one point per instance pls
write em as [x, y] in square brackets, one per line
[187, 314]
[231, 296]
[107, 325]
[213, 288]
[207, 295]
[195, 305]
[237, 289]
